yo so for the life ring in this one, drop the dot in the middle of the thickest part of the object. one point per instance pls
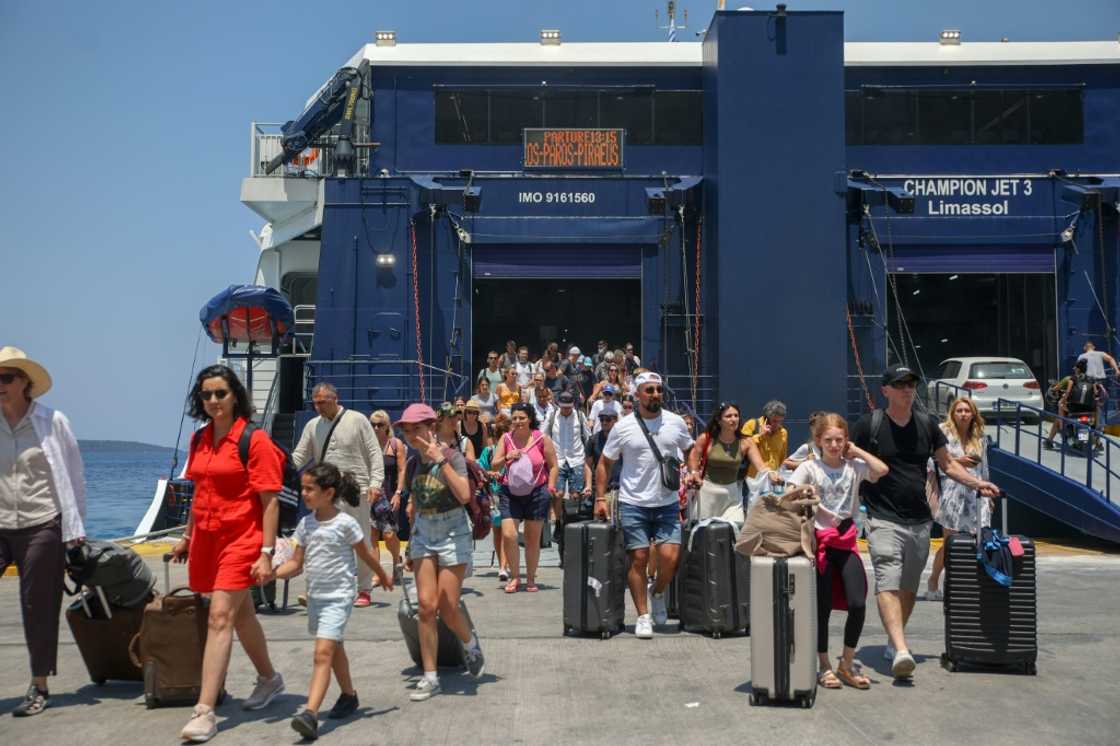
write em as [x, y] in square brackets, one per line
[306, 158]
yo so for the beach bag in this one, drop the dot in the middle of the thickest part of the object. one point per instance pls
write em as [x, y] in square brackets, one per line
[779, 526]
[520, 480]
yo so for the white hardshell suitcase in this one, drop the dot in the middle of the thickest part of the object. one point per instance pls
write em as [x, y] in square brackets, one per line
[783, 630]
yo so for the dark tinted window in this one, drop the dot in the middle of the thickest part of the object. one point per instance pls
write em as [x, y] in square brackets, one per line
[944, 117]
[964, 116]
[512, 111]
[462, 117]
[678, 118]
[1056, 118]
[1001, 117]
[577, 109]
[630, 110]
[889, 117]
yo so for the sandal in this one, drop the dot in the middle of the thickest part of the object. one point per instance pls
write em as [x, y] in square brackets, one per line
[827, 679]
[512, 586]
[531, 587]
[852, 678]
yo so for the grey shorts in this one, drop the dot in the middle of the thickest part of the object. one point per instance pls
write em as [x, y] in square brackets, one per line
[898, 554]
[445, 536]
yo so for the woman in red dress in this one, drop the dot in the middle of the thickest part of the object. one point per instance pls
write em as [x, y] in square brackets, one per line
[230, 537]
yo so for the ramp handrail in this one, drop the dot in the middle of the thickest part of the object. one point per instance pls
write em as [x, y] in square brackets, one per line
[1092, 459]
[377, 383]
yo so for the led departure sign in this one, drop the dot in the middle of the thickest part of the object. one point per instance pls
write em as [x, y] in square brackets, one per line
[574, 149]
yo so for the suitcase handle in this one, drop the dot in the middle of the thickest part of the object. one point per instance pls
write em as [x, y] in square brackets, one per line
[134, 650]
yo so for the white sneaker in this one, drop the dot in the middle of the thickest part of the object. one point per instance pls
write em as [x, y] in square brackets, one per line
[888, 653]
[658, 609]
[424, 689]
[643, 629]
[903, 665]
[202, 726]
[935, 595]
[264, 692]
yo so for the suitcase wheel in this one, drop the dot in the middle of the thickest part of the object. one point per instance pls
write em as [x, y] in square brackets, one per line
[1031, 669]
[808, 700]
[150, 702]
[99, 682]
[757, 698]
[716, 634]
[605, 634]
[948, 663]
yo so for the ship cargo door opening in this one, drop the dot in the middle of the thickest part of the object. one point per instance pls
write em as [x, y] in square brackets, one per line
[973, 302]
[568, 294]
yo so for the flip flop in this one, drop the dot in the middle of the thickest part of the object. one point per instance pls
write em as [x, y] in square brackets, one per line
[827, 679]
[512, 586]
[531, 588]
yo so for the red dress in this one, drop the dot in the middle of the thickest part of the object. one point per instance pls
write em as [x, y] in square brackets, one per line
[228, 518]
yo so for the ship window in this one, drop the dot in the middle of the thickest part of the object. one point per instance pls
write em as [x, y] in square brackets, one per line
[964, 116]
[678, 118]
[628, 110]
[462, 117]
[572, 109]
[512, 111]
[300, 288]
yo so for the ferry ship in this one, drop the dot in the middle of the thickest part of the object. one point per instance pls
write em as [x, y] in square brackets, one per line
[767, 212]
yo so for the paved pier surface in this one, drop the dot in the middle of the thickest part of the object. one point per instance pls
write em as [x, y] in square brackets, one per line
[540, 687]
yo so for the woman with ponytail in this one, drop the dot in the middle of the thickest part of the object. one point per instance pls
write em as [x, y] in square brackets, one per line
[328, 540]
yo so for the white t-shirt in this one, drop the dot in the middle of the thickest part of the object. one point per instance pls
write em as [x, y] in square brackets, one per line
[524, 373]
[1094, 364]
[328, 555]
[837, 488]
[640, 483]
[803, 451]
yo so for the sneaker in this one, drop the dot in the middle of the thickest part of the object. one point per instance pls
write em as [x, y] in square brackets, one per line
[344, 707]
[935, 595]
[476, 661]
[202, 726]
[503, 575]
[1048, 445]
[264, 692]
[424, 689]
[658, 609]
[35, 701]
[888, 653]
[363, 600]
[301, 599]
[307, 724]
[643, 629]
[903, 665]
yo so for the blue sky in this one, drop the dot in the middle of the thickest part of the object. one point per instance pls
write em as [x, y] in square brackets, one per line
[127, 124]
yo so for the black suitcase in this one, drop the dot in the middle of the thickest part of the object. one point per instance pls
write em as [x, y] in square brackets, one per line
[103, 634]
[713, 583]
[594, 578]
[451, 654]
[987, 623]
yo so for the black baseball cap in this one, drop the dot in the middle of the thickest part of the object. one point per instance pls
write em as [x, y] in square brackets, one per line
[899, 372]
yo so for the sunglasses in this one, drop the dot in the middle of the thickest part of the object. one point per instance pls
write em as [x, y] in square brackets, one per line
[908, 384]
[492, 357]
[652, 389]
[218, 394]
[472, 411]
[380, 425]
[607, 418]
[8, 378]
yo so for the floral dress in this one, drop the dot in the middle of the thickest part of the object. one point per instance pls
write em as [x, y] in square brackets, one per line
[957, 506]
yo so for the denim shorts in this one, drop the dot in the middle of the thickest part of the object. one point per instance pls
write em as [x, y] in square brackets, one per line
[644, 526]
[570, 479]
[531, 507]
[446, 536]
[327, 617]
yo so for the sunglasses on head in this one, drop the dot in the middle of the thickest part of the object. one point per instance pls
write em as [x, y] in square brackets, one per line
[8, 378]
[218, 394]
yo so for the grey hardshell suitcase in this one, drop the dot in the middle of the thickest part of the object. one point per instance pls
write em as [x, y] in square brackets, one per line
[713, 583]
[783, 630]
[451, 654]
[594, 578]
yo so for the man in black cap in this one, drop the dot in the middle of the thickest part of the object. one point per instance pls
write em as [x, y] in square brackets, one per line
[899, 516]
[569, 432]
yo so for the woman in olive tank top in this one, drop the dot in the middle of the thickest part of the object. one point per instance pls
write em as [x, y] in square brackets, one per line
[717, 463]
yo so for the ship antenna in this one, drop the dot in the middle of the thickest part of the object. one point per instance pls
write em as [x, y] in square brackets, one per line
[672, 26]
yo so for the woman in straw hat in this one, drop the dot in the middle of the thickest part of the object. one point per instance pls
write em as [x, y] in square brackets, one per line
[42, 510]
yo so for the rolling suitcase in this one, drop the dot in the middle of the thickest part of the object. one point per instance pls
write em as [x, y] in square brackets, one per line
[169, 646]
[103, 634]
[594, 578]
[713, 581]
[783, 630]
[450, 653]
[986, 622]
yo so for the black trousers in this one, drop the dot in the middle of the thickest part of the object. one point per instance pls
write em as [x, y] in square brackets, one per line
[40, 556]
[850, 568]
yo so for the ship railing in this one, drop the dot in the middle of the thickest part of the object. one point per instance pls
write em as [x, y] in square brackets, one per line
[265, 144]
[392, 384]
[304, 333]
[678, 389]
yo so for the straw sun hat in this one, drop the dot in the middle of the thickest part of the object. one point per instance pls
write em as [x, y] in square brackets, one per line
[13, 357]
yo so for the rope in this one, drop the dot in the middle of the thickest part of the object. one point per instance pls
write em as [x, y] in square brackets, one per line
[859, 362]
[183, 418]
[1104, 269]
[689, 348]
[696, 317]
[416, 309]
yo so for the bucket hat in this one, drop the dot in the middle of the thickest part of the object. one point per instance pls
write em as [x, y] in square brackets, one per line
[13, 357]
[414, 413]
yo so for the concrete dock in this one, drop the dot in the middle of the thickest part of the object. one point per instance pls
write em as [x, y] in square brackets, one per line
[540, 687]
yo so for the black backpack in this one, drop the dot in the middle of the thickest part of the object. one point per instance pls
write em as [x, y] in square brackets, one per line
[1081, 392]
[118, 571]
[290, 496]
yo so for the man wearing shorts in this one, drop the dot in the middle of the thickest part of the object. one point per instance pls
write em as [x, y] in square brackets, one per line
[648, 511]
[900, 519]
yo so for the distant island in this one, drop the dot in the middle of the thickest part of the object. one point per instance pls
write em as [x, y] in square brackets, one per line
[120, 445]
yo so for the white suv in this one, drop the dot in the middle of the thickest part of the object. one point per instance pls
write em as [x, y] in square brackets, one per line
[987, 379]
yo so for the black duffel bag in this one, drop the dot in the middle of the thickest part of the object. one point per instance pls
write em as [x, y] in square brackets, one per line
[118, 571]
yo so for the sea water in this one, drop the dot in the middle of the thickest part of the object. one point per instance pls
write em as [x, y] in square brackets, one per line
[120, 481]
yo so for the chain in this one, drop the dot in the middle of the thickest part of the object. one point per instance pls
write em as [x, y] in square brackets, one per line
[859, 363]
[416, 309]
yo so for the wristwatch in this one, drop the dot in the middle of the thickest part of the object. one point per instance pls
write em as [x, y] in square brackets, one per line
[268, 550]
[440, 463]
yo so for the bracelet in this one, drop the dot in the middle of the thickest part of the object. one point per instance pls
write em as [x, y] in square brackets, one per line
[186, 538]
[600, 499]
[440, 463]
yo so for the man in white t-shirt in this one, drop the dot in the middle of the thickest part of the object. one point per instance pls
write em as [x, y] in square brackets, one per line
[648, 511]
[523, 368]
[1095, 361]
